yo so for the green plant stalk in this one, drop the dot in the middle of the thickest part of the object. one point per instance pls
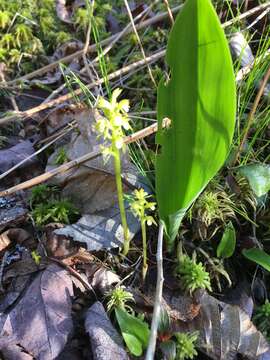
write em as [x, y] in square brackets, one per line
[145, 266]
[119, 186]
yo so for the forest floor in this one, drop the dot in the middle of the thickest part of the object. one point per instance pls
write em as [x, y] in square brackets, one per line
[66, 291]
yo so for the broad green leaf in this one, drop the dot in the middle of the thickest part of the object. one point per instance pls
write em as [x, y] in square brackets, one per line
[259, 256]
[226, 246]
[200, 101]
[134, 345]
[132, 327]
[258, 176]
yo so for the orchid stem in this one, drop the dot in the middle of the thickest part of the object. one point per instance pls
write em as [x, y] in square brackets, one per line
[119, 186]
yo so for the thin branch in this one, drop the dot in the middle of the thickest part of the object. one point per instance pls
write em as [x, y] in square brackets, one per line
[106, 41]
[2, 176]
[78, 161]
[246, 14]
[139, 42]
[69, 58]
[136, 66]
[169, 11]
[75, 274]
[150, 354]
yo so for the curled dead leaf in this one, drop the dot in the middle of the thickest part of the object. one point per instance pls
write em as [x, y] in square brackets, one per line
[59, 246]
[100, 277]
[16, 236]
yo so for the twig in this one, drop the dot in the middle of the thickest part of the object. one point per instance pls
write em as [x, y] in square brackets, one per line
[75, 274]
[127, 69]
[87, 39]
[136, 66]
[139, 42]
[169, 11]
[119, 35]
[91, 48]
[78, 161]
[106, 41]
[158, 298]
[252, 113]
[263, 14]
[246, 14]
[2, 176]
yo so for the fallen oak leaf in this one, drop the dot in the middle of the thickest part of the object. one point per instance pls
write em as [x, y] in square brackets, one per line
[41, 321]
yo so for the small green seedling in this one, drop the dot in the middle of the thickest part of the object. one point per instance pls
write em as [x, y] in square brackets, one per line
[192, 274]
[139, 205]
[175, 345]
[118, 298]
[185, 345]
[111, 127]
[41, 194]
[134, 330]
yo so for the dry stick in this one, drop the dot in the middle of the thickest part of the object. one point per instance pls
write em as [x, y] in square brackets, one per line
[80, 160]
[2, 176]
[134, 66]
[117, 73]
[104, 52]
[139, 42]
[127, 69]
[246, 14]
[75, 274]
[158, 297]
[93, 47]
[252, 113]
[126, 30]
[169, 11]
[87, 41]
[106, 41]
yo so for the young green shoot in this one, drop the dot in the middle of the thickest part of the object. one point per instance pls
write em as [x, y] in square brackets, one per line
[111, 127]
[192, 273]
[118, 298]
[139, 205]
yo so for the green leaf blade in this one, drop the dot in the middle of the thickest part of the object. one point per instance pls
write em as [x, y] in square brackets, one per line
[258, 256]
[135, 331]
[200, 101]
[227, 244]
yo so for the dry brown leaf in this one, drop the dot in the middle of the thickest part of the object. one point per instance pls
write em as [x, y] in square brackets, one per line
[100, 277]
[15, 236]
[225, 331]
[41, 321]
[59, 246]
